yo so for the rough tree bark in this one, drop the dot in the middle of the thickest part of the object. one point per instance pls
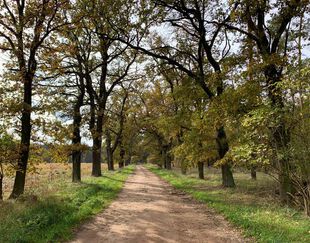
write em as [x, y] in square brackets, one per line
[97, 143]
[227, 176]
[76, 139]
[96, 170]
[101, 102]
[20, 176]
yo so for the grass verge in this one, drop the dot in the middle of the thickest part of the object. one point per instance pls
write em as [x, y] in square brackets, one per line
[51, 218]
[246, 207]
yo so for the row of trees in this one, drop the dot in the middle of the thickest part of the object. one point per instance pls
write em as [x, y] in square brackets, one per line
[192, 82]
[64, 70]
[247, 59]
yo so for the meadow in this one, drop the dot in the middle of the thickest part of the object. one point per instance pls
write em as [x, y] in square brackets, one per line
[52, 207]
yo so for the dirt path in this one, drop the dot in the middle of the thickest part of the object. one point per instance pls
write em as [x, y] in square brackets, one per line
[150, 210]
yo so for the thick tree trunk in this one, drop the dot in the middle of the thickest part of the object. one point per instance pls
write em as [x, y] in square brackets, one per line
[253, 173]
[227, 176]
[96, 156]
[110, 159]
[97, 143]
[76, 142]
[201, 170]
[96, 168]
[101, 103]
[95, 127]
[76, 139]
[228, 179]
[76, 166]
[20, 177]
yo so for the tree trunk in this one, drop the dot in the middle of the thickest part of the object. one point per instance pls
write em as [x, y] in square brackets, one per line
[101, 103]
[201, 170]
[109, 151]
[228, 179]
[227, 176]
[76, 166]
[97, 143]
[96, 169]
[110, 159]
[253, 173]
[76, 139]
[93, 127]
[20, 176]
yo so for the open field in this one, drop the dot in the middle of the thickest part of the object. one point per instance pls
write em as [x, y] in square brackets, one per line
[38, 181]
[252, 205]
[52, 206]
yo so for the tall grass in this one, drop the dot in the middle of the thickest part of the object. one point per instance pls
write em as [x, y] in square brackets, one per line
[51, 218]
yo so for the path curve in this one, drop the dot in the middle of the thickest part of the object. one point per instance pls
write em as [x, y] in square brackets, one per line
[150, 210]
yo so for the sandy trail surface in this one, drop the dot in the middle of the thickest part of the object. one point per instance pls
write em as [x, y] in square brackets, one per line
[150, 210]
